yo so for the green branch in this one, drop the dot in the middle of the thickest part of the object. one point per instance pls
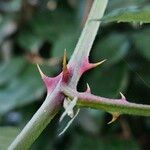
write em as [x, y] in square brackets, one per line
[120, 106]
[38, 122]
[86, 39]
[54, 100]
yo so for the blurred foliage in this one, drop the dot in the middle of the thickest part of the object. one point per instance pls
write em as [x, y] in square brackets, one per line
[128, 15]
[34, 31]
[7, 135]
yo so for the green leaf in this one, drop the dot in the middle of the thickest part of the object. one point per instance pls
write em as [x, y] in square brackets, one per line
[142, 43]
[108, 81]
[7, 135]
[115, 4]
[130, 14]
[113, 48]
[22, 90]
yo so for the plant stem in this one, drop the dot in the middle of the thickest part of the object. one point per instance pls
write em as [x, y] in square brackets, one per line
[38, 122]
[120, 106]
[54, 99]
[86, 39]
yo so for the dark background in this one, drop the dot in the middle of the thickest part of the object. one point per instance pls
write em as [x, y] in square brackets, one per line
[38, 31]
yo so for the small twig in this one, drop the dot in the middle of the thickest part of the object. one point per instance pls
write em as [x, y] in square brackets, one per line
[120, 106]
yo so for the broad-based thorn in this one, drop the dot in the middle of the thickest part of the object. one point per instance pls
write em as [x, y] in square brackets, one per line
[122, 96]
[88, 89]
[65, 62]
[40, 71]
[66, 72]
[93, 65]
[86, 65]
[49, 82]
[114, 117]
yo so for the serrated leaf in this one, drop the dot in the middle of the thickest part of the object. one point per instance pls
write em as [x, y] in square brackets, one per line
[131, 14]
[7, 135]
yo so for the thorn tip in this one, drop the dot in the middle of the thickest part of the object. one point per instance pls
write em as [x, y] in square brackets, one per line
[88, 89]
[122, 96]
[99, 63]
[65, 61]
[40, 71]
[114, 117]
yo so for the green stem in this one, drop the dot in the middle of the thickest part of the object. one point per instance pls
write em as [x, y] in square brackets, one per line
[120, 106]
[86, 39]
[54, 100]
[38, 122]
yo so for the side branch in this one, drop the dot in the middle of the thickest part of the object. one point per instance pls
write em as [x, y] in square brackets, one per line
[120, 106]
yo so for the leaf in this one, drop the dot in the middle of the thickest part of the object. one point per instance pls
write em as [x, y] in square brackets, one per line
[130, 14]
[108, 81]
[142, 43]
[22, 90]
[115, 4]
[113, 48]
[7, 135]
